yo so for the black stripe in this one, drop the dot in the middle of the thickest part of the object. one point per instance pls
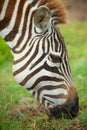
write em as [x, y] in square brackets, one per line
[10, 8]
[23, 33]
[14, 31]
[34, 2]
[50, 87]
[38, 61]
[27, 63]
[45, 78]
[31, 75]
[1, 5]
[62, 96]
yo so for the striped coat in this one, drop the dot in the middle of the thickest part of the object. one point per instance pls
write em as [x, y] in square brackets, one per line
[40, 56]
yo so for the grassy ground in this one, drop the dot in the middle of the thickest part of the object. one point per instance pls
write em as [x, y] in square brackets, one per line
[17, 107]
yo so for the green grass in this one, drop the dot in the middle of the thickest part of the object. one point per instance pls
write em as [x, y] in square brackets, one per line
[15, 100]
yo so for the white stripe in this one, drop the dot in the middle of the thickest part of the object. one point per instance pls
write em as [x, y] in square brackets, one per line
[15, 40]
[27, 28]
[68, 69]
[51, 64]
[9, 28]
[20, 55]
[3, 12]
[23, 62]
[49, 83]
[66, 79]
[30, 1]
[66, 75]
[38, 75]
[56, 37]
[58, 101]
[21, 76]
[53, 92]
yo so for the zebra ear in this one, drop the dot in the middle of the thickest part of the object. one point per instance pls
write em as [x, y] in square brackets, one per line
[42, 17]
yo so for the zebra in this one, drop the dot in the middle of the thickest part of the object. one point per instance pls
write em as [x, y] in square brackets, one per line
[40, 59]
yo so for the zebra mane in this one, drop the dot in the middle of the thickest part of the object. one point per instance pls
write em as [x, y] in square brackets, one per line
[57, 10]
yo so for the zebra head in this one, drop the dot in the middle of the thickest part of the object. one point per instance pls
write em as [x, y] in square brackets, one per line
[57, 62]
[40, 56]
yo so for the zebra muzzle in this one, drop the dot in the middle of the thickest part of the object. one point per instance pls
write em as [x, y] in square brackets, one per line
[67, 111]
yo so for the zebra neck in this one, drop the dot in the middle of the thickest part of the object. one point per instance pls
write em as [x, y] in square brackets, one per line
[16, 18]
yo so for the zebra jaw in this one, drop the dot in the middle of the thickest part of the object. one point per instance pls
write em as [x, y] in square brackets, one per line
[42, 17]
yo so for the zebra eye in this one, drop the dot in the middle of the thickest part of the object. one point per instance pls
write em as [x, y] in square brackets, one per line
[42, 17]
[55, 58]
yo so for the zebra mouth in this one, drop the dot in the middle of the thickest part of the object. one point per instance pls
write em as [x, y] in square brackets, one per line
[65, 111]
